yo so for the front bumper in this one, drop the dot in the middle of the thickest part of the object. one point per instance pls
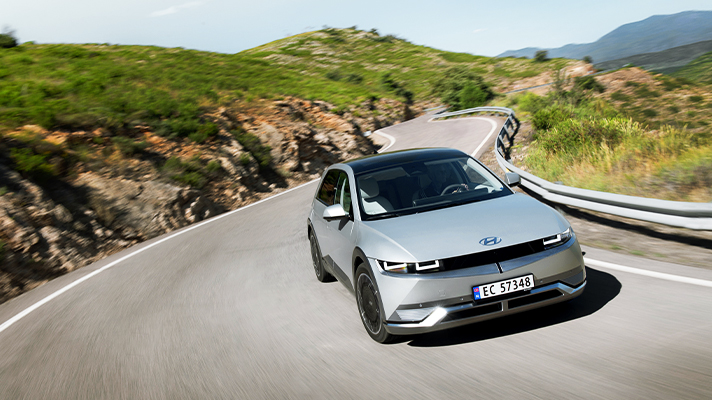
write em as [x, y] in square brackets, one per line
[467, 313]
[429, 302]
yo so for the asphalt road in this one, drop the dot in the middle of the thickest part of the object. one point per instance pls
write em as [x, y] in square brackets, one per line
[231, 309]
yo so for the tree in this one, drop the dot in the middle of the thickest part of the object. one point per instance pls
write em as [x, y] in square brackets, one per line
[588, 59]
[461, 88]
[7, 39]
[541, 56]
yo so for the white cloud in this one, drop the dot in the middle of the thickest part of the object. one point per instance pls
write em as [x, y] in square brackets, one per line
[175, 9]
[478, 30]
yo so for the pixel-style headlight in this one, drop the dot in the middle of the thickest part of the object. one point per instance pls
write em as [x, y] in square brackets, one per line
[558, 240]
[404, 268]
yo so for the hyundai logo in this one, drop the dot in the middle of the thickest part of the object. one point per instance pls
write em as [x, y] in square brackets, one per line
[491, 241]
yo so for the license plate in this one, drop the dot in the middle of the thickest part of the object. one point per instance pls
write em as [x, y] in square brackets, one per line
[503, 287]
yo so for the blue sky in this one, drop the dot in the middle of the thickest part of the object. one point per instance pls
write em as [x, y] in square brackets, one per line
[479, 27]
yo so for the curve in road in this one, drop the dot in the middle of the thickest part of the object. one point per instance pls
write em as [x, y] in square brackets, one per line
[230, 308]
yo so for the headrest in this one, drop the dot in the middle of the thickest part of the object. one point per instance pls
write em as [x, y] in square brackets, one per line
[369, 188]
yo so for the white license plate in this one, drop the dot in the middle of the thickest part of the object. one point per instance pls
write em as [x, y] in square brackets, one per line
[519, 284]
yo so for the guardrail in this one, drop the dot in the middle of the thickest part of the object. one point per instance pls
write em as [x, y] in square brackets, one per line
[697, 216]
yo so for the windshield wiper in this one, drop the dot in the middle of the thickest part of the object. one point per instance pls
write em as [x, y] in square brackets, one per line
[383, 216]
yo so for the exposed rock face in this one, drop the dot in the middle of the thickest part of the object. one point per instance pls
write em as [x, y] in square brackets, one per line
[143, 209]
[50, 229]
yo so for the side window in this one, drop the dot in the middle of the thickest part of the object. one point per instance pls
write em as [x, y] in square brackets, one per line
[343, 192]
[328, 187]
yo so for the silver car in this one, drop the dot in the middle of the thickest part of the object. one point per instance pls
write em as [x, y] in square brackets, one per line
[430, 239]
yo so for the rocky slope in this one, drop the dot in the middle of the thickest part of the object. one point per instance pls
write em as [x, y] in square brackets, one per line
[112, 200]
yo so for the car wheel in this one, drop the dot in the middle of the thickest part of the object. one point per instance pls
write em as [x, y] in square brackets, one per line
[317, 261]
[369, 309]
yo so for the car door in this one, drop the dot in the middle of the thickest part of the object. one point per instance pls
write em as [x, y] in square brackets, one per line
[324, 198]
[341, 230]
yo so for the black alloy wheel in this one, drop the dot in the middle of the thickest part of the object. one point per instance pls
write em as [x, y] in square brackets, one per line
[369, 306]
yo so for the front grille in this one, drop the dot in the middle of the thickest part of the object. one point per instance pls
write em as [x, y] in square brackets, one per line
[493, 256]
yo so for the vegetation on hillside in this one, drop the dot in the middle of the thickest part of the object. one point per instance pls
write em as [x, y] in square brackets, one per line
[124, 91]
[698, 70]
[588, 142]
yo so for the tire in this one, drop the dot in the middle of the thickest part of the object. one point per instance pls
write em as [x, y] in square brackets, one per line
[317, 261]
[368, 301]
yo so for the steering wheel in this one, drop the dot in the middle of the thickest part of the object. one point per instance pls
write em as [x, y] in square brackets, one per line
[459, 187]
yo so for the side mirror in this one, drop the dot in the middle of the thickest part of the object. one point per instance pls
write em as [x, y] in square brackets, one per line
[335, 212]
[512, 179]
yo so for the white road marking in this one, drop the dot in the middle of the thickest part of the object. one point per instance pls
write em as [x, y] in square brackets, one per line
[494, 127]
[49, 298]
[652, 274]
[489, 135]
[595, 263]
[387, 136]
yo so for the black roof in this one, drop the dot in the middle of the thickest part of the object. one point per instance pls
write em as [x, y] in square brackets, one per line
[377, 161]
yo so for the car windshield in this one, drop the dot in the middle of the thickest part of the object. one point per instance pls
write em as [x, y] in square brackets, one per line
[425, 185]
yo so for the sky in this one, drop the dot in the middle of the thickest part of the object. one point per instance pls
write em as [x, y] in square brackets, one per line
[479, 27]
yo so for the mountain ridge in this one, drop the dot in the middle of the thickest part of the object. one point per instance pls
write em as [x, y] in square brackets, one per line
[653, 34]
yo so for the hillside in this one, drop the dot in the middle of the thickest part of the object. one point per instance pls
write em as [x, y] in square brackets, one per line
[666, 61]
[698, 70]
[105, 146]
[653, 34]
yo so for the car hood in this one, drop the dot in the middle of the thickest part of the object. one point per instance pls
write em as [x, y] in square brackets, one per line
[456, 231]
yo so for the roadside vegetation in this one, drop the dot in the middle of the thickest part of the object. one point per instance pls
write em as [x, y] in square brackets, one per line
[587, 138]
[120, 93]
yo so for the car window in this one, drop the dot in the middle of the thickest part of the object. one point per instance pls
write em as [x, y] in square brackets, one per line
[479, 175]
[327, 190]
[419, 186]
[343, 192]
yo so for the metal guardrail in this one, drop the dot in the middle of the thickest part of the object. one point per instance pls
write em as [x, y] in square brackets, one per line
[697, 216]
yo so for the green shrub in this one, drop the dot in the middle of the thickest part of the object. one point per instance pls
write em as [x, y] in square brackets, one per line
[472, 96]
[588, 83]
[548, 118]
[334, 75]
[31, 164]
[644, 92]
[191, 178]
[650, 113]
[128, 146]
[531, 103]
[188, 173]
[619, 96]
[572, 135]
[674, 109]
[213, 166]
[390, 83]
[245, 159]
[252, 143]
[205, 131]
[460, 57]
[459, 84]
[541, 56]
[354, 78]
[695, 99]
[340, 110]
[7, 40]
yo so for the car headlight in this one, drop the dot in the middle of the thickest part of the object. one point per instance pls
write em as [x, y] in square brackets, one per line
[405, 268]
[558, 240]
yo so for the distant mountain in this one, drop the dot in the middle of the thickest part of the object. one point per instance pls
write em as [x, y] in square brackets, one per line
[657, 33]
[666, 61]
